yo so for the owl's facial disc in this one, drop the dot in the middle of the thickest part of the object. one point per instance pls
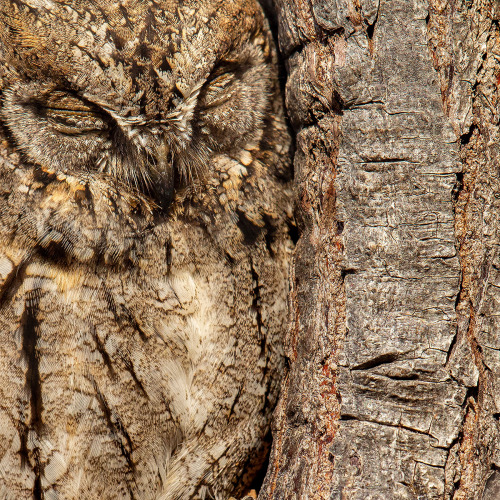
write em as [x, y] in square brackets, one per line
[144, 106]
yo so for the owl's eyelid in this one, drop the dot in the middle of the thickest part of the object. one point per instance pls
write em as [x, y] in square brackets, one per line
[215, 103]
[72, 112]
[221, 81]
[72, 131]
[64, 99]
[225, 67]
[219, 74]
[75, 109]
[74, 122]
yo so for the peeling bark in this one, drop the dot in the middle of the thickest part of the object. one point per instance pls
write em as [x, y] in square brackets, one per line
[393, 346]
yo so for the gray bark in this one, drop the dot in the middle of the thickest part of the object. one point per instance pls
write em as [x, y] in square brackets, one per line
[392, 388]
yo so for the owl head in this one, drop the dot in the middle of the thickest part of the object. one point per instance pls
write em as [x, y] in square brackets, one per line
[140, 95]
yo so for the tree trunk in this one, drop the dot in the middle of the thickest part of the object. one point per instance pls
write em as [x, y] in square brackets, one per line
[392, 390]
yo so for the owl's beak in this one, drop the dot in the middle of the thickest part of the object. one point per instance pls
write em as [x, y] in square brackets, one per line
[162, 176]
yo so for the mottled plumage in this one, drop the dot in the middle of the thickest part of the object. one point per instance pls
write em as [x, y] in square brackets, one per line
[144, 206]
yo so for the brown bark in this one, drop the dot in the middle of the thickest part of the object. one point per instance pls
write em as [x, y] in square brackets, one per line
[392, 387]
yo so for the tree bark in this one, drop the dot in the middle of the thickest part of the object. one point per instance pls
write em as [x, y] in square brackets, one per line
[392, 390]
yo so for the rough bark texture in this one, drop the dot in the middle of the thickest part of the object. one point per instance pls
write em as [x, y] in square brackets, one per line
[393, 386]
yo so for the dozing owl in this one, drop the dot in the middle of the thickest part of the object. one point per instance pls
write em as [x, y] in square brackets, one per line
[144, 245]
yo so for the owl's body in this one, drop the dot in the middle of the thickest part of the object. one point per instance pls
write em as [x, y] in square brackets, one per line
[143, 247]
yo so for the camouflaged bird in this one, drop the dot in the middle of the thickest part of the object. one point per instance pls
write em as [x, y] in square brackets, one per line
[144, 246]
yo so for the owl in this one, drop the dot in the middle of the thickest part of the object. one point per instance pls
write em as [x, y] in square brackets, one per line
[145, 238]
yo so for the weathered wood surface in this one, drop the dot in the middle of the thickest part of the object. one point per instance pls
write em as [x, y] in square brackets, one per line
[465, 44]
[392, 390]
